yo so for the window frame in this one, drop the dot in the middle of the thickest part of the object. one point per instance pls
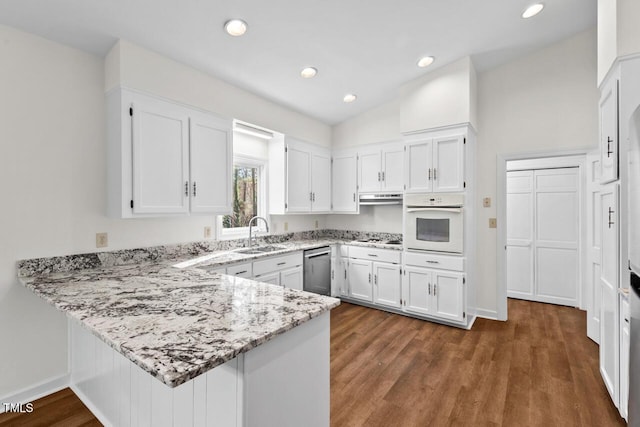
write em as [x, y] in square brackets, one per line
[243, 232]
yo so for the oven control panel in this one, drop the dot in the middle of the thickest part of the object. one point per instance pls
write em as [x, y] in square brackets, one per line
[434, 199]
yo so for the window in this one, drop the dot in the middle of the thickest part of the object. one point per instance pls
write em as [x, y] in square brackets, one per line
[248, 198]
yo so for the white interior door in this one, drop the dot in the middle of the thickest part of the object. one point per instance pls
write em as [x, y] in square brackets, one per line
[520, 234]
[557, 254]
[594, 242]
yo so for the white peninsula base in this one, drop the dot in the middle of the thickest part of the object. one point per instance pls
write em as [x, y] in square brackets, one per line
[283, 382]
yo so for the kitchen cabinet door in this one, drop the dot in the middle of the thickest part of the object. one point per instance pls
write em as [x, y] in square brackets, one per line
[369, 171]
[360, 280]
[419, 173]
[416, 290]
[448, 164]
[392, 178]
[211, 160]
[321, 181]
[609, 131]
[344, 183]
[625, 343]
[338, 277]
[387, 284]
[298, 179]
[160, 157]
[292, 278]
[609, 282]
[447, 295]
[273, 278]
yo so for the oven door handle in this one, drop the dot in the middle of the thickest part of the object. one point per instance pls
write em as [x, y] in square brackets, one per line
[455, 210]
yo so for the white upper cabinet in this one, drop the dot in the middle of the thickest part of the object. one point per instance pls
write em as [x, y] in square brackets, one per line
[211, 157]
[435, 164]
[299, 177]
[165, 158]
[160, 133]
[381, 169]
[609, 131]
[344, 190]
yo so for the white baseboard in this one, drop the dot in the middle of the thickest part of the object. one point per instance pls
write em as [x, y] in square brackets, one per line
[90, 405]
[37, 391]
[487, 314]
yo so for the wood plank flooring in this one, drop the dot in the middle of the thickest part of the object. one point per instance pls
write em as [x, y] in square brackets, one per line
[537, 369]
[62, 409]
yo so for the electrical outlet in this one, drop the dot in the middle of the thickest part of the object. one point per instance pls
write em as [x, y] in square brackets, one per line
[102, 240]
[486, 202]
[316, 224]
[207, 232]
[493, 222]
[286, 226]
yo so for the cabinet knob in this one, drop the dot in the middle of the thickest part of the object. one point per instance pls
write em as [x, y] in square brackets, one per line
[429, 174]
[435, 176]
[194, 189]
[186, 188]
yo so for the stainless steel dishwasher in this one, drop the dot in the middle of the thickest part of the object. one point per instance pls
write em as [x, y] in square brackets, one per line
[317, 270]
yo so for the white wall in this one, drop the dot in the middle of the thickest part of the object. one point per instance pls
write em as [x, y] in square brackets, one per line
[376, 125]
[439, 98]
[53, 175]
[618, 32]
[545, 101]
[628, 29]
[135, 67]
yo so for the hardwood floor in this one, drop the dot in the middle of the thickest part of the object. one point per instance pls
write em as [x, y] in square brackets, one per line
[62, 409]
[537, 369]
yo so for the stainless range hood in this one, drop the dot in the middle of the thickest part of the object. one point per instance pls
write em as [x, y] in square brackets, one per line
[380, 199]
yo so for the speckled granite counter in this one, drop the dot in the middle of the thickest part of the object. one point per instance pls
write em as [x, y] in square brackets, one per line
[171, 318]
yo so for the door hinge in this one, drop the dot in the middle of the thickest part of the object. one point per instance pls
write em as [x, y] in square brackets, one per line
[131, 111]
[464, 141]
[464, 314]
[464, 184]
[286, 206]
[464, 280]
[131, 203]
[401, 272]
[286, 148]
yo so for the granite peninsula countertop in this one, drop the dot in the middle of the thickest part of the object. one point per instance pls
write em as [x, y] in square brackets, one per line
[171, 317]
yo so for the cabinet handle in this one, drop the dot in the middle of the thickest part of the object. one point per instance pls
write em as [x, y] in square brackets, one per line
[194, 189]
[383, 176]
[378, 176]
[281, 263]
[333, 276]
[345, 274]
[375, 279]
[369, 277]
[434, 289]
[373, 255]
[609, 141]
[313, 199]
[433, 262]
[429, 291]
[435, 176]
[429, 174]
[186, 188]
[354, 197]
[611, 211]
[310, 196]
[241, 272]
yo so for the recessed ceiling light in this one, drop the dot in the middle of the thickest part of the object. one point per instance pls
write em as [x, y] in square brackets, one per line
[425, 61]
[349, 98]
[235, 27]
[533, 10]
[308, 72]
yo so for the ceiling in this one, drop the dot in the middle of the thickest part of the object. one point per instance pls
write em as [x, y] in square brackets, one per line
[366, 47]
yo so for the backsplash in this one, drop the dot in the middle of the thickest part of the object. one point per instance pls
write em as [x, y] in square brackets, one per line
[76, 262]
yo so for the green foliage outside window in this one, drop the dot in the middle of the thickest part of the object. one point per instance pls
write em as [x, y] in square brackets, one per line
[245, 197]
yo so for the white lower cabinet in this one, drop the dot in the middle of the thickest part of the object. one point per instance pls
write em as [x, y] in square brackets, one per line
[292, 278]
[387, 284]
[241, 270]
[436, 293]
[273, 278]
[359, 274]
[284, 270]
[624, 357]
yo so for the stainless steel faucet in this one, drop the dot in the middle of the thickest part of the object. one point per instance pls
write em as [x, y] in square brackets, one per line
[251, 227]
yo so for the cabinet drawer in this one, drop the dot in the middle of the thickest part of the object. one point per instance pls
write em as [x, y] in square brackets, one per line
[374, 254]
[276, 263]
[240, 270]
[443, 262]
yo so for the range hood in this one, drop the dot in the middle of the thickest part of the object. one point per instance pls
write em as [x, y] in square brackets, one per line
[380, 199]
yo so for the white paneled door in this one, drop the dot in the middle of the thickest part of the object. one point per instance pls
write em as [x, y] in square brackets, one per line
[543, 239]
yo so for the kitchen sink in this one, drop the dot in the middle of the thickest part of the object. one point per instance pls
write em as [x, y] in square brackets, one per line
[260, 250]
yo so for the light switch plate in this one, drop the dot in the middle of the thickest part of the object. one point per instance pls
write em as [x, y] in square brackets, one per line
[493, 222]
[316, 223]
[102, 240]
[486, 202]
[207, 232]
[286, 226]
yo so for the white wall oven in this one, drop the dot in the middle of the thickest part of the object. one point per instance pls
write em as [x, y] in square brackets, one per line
[434, 222]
